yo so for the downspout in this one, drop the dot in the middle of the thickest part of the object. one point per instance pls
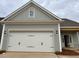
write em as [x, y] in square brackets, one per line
[59, 32]
[2, 36]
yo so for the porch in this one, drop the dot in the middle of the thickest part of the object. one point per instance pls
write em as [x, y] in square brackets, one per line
[70, 37]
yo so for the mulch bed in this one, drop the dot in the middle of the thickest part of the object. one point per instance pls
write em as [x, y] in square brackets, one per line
[2, 51]
[67, 52]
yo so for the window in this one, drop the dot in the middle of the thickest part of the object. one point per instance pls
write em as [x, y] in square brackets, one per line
[31, 12]
[70, 39]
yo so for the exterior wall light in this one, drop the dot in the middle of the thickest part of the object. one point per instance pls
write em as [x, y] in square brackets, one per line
[56, 31]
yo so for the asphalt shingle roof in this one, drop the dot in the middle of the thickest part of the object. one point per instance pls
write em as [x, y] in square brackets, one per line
[68, 22]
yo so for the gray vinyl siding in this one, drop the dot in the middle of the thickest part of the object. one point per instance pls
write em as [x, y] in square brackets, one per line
[75, 40]
[39, 15]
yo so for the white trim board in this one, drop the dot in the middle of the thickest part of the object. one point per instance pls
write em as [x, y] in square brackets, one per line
[2, 37]
[60, 42]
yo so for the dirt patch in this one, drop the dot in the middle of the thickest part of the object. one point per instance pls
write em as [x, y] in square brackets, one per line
[67, 52]
[2, 51]
[77, 49]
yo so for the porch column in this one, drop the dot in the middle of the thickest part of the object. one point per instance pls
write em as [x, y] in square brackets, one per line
[59, 32]
[2, 36]
[78, 38]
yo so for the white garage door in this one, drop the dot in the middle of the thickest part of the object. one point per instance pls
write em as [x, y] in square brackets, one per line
[31, 41]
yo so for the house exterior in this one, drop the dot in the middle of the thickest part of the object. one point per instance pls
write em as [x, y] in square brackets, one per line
[32, 28]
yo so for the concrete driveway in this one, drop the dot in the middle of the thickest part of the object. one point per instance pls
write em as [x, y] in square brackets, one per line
[33, 55]
[27, 55]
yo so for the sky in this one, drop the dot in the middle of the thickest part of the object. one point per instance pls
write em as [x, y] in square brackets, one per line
[62, 8]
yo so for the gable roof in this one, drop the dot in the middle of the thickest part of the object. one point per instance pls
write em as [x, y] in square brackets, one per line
[33, 2]
[68, 22]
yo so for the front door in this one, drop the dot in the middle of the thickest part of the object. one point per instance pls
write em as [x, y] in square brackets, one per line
[67, 40]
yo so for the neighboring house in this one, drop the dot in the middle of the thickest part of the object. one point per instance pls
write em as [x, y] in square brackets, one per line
[32, 28]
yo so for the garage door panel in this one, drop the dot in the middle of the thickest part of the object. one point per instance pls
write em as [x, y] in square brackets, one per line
[31, 41]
